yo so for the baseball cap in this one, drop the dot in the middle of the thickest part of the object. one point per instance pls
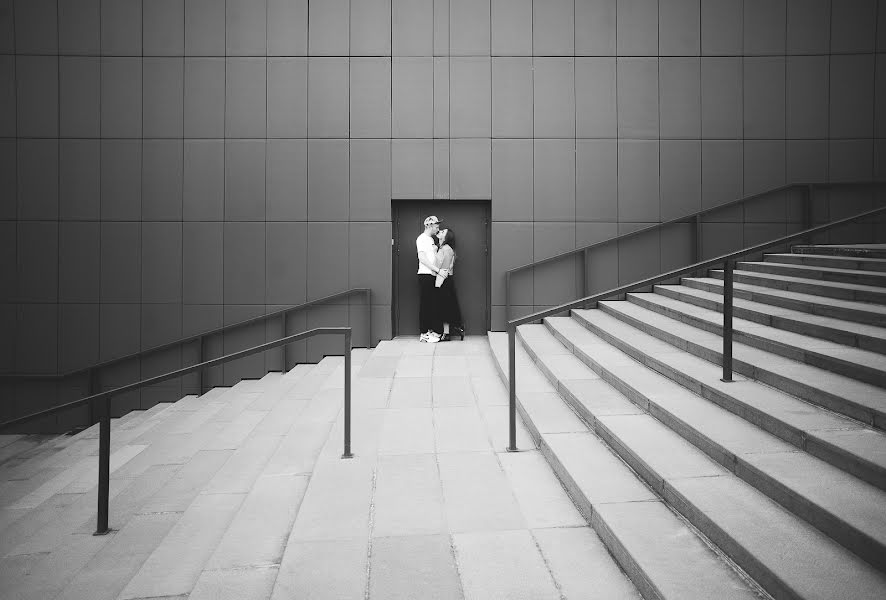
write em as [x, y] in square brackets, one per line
[432, 220]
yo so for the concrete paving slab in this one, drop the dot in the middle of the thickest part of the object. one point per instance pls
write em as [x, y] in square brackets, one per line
[323, 570]
[298, 450]
[371, 392]
[503, 565]
[258, 532]
[496, 419]
[184, 486]
[393, 347]
[281, 418]
[366, 427]
[55, 485]
[772, 535]
[55, 533]
[482, 365]
[415, 366]
[174, 567]
[31, 520]
[337, 503]
[581, 565]
[542, 499]
[549, 414]
[47, 575]
[123, 506]
[172, 449]
[235, 432]
[412, 392]
[460, 429]
[600, 475]
[477, 495]
[453, 390]
[413, 567]
[560, 367]
[489, 390]
[407, 431]
[449, 365]
[235, 584]
[115, 564]
[324, 405]
[237, 401]
[240, 471]
[663, 556]
[408, 496]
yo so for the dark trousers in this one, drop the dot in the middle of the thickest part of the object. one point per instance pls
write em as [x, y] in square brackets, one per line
[428, 311]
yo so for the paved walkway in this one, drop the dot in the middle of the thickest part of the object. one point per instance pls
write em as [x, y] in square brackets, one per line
[432, 506]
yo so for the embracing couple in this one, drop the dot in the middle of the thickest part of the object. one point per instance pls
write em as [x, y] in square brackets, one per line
[439, 317]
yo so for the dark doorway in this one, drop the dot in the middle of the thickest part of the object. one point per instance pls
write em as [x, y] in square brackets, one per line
[469, 219]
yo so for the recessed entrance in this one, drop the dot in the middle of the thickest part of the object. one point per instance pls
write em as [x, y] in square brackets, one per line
[470, 220]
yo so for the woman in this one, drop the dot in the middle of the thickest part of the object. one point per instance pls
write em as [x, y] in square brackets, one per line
[447, 301]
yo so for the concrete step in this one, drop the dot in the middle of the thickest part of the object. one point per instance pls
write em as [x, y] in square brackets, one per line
[859, 250]
[859, 364]
[840, 505]
[828, 289]
[832, 274]
[824, 260]
[13, 447]
[660, 552]
[838, 440]
[858, 400]
[859, 312]
[848, 333]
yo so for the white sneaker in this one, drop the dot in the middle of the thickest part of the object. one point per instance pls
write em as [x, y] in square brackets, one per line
[433, 338]
[423, 337]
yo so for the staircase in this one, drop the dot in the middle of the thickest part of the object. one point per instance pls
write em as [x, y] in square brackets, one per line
[774, 483]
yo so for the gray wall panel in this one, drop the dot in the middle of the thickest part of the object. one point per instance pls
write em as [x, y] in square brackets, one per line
[372, 37]
[37, 179]
[37, 97]
[679, 29]
[162, 97]
[287, 180]
[765, 27]
[79, 164]
[36, 26]
[287, 97]
[121, 167]
[553, 28]
[121, 274]
[246, 27]
[512, 27]
[121, 27]
[79, 262]
[204, 108]
[203, 188]
[79, 94]
[163, 24]
[79, 26]
[202, 263]
[245, 180]
[161, 254]
[162, 180]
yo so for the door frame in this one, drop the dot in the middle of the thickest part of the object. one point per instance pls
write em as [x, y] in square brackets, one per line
[486, 205]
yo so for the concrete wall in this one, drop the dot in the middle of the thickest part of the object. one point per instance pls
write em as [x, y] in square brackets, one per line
[168, 166]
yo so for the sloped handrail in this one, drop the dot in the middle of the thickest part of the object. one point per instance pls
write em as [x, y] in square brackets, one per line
[726, 259]
[807, 189]
[283, 313]
[105, 399]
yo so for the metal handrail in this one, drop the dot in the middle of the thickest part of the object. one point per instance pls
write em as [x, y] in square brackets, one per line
[726, 259]
[283, 312]
[105, 399]
[806, 188]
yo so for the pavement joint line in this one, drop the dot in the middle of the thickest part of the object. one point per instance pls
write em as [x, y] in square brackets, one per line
[367, 588]
[547, 564]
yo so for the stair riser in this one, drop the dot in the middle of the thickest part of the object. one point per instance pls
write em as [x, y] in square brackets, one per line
[774, 268]
[845, 314]
[868, 471]
[842, 367]
[840, 251]
[839, 293]
[624, 559]
[790, 386]
[810, 260]
[830, 334]
[855, 540]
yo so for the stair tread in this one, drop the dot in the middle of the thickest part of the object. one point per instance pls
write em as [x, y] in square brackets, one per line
[863, 263]
[739, 437]
[857, 287]
[813, 269]
[672, 459]
[785, 313]
[627, 512]
[875, 309]
[840, 352]
[860, 393]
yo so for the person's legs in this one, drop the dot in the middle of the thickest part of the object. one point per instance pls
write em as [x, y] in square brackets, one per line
[428, 316]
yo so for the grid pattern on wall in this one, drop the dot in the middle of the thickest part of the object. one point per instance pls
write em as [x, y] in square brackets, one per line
[168, 166]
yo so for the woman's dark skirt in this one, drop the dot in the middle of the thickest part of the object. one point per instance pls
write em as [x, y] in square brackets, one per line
[447, 303]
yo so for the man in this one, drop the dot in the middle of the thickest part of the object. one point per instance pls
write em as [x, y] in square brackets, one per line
[429, 322]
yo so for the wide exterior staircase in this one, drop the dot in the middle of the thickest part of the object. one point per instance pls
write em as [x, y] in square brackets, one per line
[660, 480]
[701, 488]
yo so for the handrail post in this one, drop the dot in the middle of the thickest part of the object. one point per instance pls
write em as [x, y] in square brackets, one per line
[200, 372]
[727, 321]
[809, 193]
[512, 388]
[347, 453]
[104, 466]
[91, 387]
[507, 296]
[584, 272]
[368, 318]
[283, 334]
